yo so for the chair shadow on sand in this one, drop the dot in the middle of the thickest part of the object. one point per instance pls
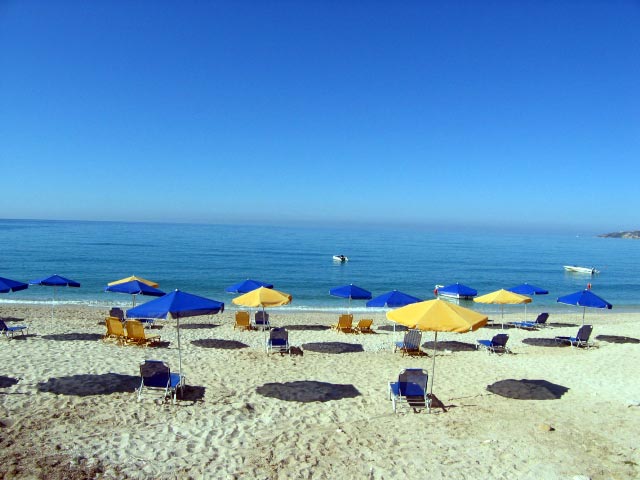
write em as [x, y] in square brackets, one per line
[84, 385]
[191, 393]
[527, 389]
[306, 391]
[562, 325]
[453, 346]
[542, 342]
[309, 328]
[617, 339]
[198, 326]
[69, 337]
[218, 343]
[6, 382]
[12, 319]
[333, 347]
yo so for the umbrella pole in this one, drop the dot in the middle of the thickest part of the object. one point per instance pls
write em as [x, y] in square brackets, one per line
[433, 366]
[502, 316]
[264, 329]
[179, 352]
[53, 302]
[584, 309]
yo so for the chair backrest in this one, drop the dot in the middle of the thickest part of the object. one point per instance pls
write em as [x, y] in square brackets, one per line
[155, 373]
[261, 317]
[542, 318]
[412, 339]
[242, 318]
[413, 382]
[584, 333]
[3, 326]
[114, 326]
[117, 313]
[365, 323]
[279, 336]
[135, 329]
[499, 340]
[345, 320]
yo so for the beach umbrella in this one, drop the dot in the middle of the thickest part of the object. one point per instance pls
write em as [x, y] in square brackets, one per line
[528, 290]
[457, 290]
[585, 299]
[133, 288]
[247, 286]
[133, 278]
[263, 297]
[7, 285]
[392, 299]
[437, 316]
[178, 305]
[502, 297]
[350, 291]
[55, 281]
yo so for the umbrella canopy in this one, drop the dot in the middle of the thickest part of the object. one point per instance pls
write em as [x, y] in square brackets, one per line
[527, 289]
[135, 287]
[585, 299]
[350, 291]
[8, 285]
[392, 299]
[502, 297]
[457, 290]
[133, 278]
[178, 305]
[438, 316]
[263, 297]
[247, 286]
[55, 281]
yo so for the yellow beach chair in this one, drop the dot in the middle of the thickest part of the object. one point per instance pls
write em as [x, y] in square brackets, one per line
[136, 335]
[344, 323]
[364, 326]
[115, 330]
[243, 320]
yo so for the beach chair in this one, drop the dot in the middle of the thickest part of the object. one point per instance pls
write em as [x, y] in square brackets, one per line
[278, 341]
[157, 375]
[344, 324]
[136, 335]
[411, 387]
[581, 339]
[261, 320]
[540, 322]
[364, 326]
[115, 330]
[10, 331]
[410, 344]
[498, 344]
[117, 313]
[243, 320]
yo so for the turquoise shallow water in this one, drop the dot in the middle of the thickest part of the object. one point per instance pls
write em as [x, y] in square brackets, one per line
[205, 259]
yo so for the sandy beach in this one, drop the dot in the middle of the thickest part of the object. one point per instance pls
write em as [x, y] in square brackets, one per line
[69, 409]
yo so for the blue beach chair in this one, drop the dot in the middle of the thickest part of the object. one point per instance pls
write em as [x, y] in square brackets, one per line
[11, 330]
[540, 322]
[411, 343]
[278, 341]
[411, 387]
[155, 374]
[581, 339]
[261, 320]
[498, 344]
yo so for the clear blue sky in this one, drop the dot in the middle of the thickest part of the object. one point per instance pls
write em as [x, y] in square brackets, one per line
[521, 114]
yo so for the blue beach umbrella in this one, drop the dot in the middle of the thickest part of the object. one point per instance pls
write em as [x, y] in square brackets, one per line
[585, 299]
[178, 305]
[350, 291]
[528, 290]
[134, 288]
[55, 281]
[393, 299]
[457, 290]
[7, 285]
[247, 286]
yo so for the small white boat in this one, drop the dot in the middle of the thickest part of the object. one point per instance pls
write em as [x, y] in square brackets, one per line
[340, 258]
[576, 269]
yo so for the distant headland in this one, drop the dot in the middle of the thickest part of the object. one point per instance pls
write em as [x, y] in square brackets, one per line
[633, 234]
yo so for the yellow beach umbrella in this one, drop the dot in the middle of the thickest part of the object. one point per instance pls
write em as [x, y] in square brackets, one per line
[263, 297]
[438, 316]
[131, 279]
[503, 297]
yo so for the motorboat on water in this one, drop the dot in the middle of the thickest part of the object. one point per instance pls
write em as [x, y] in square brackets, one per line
[456, 290]
[576, 269]
[340, 258]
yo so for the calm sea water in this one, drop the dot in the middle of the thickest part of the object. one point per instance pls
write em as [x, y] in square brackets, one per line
[205, 259]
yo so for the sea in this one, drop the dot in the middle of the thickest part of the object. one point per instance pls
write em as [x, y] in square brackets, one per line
[205, 259]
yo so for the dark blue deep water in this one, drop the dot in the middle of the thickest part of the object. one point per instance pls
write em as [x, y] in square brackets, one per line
[204, 259]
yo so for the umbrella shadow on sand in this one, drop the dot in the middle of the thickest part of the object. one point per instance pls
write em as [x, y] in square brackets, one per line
[310, 328]
[307, 391]
[85, 385]
[617, 339]
[6, 382]
[453, 346]
[69, 337]
[542, 342]
[333, 347]
[218, 343]
[198, 326]
[389, 328]
[527, 389]
[561, 325]
[191, 393]
[13, 319]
